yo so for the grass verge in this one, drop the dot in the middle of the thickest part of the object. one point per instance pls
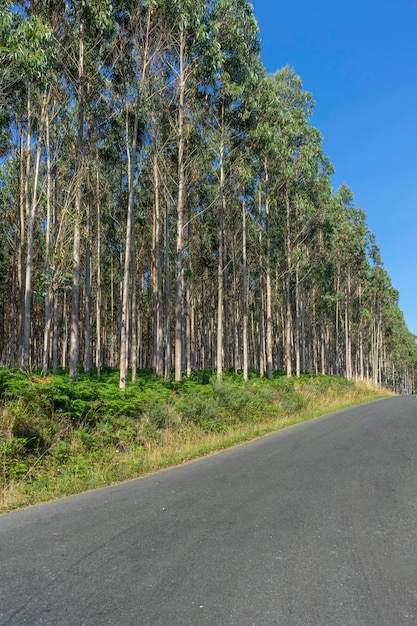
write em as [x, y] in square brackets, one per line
[59, 436]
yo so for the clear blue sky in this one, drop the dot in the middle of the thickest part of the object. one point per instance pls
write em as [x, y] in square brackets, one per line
[359, 61]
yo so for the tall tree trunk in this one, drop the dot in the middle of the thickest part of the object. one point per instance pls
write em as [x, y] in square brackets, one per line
[245, 295]
[30, 243]
[348, 350]
[323, 337]
[188, 299]
[132, 158]
[226, 320]
[48, 289]
[65, 325]
[236, 351]
[98, 278]
[157, 276]
[79, 167]
[167, 314]
[278, 318]
[337, 323]
[288, 313]
[205, 340]
[297, 324]
[361, 352]
[220, 260]
[303, 328]
[23, 207]
[179, 285]
[261, 330]
[134, 316]
[55, 335]
[132, 154]
[88, 335]
[269, 364]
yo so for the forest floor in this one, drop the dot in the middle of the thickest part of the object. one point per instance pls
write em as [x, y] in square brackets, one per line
[60, 436]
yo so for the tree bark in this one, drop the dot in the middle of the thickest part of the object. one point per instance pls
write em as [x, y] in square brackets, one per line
[132, 157]
[179, 290]
[269, 363]
[48, 226]
[76, 255]
[33, 203]
[220, 260]
[288, 313]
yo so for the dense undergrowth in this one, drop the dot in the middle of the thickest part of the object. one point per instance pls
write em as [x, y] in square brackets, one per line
[59, 436]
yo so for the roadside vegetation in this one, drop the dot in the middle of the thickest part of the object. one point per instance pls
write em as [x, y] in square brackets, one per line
[60, 436]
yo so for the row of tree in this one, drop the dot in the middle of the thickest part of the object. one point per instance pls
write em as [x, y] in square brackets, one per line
[164, 203]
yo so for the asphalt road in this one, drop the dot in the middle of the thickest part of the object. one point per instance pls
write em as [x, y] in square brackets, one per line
[315, 525]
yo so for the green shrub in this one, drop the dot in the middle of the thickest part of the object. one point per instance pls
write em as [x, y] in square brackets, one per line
[13, 455]
[56, 433]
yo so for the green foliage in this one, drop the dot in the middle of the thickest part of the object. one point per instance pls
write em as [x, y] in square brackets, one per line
[25, 45]
[57, 429]
[65, 405]
[11, 453]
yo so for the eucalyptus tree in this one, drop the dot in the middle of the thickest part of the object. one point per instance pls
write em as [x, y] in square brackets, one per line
[267, 136]
[288, 166]
[311, 171]
[303, 163]
[91, 20]
[379, 296]
[235, 33]
[160, 43]
[315, 261]
[176, 87]
[9, 251]
[401, 350]
[138, 42]
[352, 245]
[27, 57]
[189, 44]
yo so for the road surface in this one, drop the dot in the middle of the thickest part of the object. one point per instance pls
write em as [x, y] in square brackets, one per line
[314, 525]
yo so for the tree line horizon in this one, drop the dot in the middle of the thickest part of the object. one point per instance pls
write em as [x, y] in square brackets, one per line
[165, 203]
